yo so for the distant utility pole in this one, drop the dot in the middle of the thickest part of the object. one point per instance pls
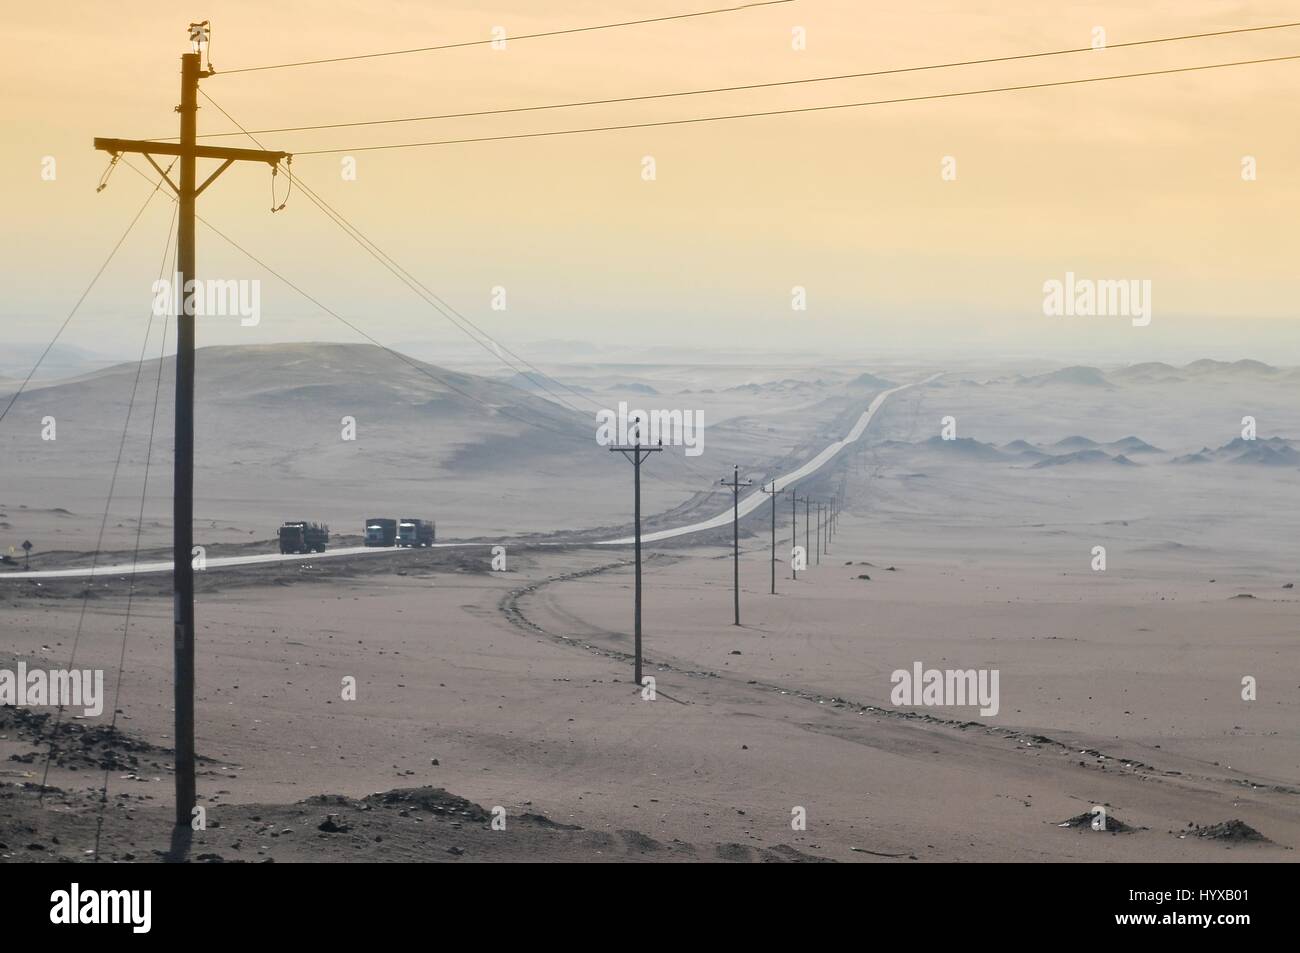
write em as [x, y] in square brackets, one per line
[774, 493]
[187, 151]
[794, 531]
[807, 526]
[636, 458]
[819, 534]
[735, 485]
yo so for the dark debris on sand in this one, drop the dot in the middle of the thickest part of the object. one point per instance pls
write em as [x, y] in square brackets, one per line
[1113, 824]
[77, 745]
[406, 825]
[1234, 831]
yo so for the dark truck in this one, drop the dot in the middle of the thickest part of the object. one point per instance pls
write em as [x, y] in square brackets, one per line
[413, 532]
[299, 536]
[381, 532]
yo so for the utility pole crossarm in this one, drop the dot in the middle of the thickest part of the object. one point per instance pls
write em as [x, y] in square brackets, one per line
[148, 147]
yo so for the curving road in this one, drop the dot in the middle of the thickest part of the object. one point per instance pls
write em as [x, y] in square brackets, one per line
[747, 505]
[758, 497]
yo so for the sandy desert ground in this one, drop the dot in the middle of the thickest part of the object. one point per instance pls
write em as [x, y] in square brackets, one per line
[1120, 687]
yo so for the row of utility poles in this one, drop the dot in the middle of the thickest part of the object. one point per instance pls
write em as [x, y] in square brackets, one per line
[185, 150]
[827, 521]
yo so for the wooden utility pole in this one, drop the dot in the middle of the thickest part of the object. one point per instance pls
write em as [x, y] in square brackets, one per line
[819, 534]
[807, 526]
[794, 532]
[735, 485]
[188, 152]
[774, 493]
[636, 458]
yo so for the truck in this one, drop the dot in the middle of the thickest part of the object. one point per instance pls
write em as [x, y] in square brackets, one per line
[301, 536]
[413, 532]
[381, 531]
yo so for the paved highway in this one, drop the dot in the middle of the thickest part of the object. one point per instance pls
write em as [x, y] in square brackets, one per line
[747, 505]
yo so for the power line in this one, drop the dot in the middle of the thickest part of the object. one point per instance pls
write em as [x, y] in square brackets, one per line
[801, 109]
[108, 505]
[492, 346]
[62, 327]
[442, 307]
[522, 36]
[428, 295]
[135, 555]
[746, 87]
[416, 365]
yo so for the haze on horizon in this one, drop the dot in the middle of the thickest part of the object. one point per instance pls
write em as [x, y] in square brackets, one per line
[1133, 179]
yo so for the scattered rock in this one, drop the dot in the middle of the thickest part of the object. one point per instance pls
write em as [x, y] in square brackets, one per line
[1235, 831]
[1113, 824]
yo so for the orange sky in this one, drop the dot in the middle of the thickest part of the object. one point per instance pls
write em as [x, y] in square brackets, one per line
[1132, 179]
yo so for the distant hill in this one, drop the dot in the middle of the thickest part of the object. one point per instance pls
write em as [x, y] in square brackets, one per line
[1157, 372]
[1204, 455]
[282, 406]
[1082, 457]
[1151, 372]
[1240, 369]
[635, 388]
[869, 382]
[1075, 443]
[1131, 445]
[1077, 376]
[1267, 452]
[1260, 453]
[965, 447]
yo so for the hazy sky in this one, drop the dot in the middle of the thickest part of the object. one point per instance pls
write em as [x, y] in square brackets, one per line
[1134, 179]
